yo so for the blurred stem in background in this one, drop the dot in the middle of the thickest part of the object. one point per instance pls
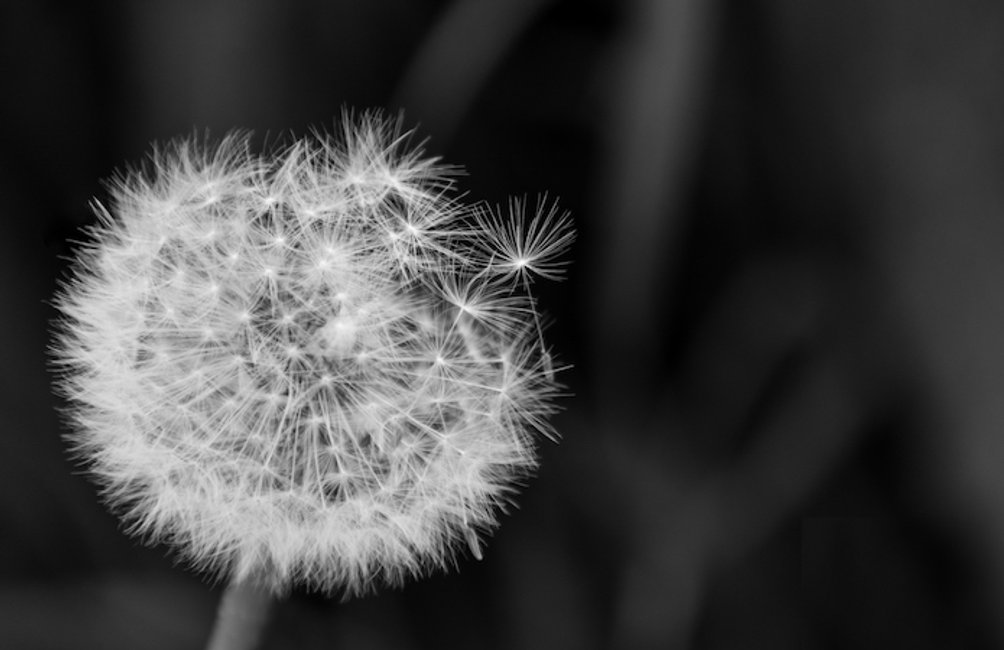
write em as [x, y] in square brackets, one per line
[457, 57]
[648, 139]
[657, 100]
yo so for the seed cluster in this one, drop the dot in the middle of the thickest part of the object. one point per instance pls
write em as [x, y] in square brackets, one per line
[316, 368]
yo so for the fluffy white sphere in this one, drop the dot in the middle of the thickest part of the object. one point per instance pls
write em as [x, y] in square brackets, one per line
[310, 369]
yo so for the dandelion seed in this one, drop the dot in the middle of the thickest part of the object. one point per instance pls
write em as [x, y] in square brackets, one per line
[290, 367]
[523, 249]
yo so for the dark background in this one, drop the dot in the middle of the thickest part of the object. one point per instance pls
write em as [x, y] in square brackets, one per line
[785, 312]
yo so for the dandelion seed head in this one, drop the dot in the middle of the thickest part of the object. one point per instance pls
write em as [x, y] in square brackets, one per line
[291, 367]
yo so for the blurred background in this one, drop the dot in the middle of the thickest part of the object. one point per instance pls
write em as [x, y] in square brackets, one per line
[785, 311]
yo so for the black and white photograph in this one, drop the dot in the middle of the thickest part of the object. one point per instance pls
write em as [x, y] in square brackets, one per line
[501, 325]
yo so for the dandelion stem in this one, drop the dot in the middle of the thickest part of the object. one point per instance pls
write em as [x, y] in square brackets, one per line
[241, 617]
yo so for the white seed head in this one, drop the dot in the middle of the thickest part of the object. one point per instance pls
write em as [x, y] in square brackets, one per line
[315, 368]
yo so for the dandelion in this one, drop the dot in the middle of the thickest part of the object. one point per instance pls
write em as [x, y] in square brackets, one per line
[313, 369]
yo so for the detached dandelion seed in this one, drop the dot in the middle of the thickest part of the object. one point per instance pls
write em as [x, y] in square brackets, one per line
[316, 369]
